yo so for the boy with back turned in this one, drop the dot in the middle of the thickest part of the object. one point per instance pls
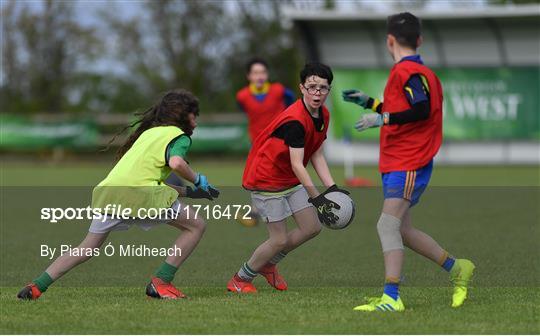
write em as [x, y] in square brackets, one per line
[410, 118]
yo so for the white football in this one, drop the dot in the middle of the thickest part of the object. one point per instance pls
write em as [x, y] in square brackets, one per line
[345, 213]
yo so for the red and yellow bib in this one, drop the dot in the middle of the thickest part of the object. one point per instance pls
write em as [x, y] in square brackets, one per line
[261, 113]
[413, 145]
[268, 166]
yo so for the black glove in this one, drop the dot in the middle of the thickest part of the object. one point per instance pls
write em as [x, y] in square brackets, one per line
[324, 208]
[213, 191]
[335, 188]
[199, 193]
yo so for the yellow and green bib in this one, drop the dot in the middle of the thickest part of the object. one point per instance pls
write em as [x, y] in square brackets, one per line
[137, 180]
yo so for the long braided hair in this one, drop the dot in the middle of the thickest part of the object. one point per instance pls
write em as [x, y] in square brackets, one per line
[173, 109]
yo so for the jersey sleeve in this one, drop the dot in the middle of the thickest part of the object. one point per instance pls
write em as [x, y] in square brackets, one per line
[417, 92]
[288, 97]
[416, 89]
[292, 133]
[419, 111]
[178, 147]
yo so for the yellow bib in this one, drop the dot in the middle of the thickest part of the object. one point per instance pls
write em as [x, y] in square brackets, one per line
[136, 181]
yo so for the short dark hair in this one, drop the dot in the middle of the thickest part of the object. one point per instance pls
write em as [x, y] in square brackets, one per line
[406, 28]
[316, 69]
[253, 61]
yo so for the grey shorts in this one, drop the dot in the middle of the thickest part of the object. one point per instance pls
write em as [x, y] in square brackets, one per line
[100, 225]
[274, 208]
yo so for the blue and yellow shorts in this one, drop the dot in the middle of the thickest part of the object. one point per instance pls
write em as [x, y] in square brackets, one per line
[407, 184]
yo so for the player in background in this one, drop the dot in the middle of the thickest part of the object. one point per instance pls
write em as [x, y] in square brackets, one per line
[261, 101]
[158, 145]
[410, 118]
[280, 185]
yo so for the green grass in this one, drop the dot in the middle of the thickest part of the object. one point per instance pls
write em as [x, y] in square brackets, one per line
[301, 310]
[228, 172]
[488, 214]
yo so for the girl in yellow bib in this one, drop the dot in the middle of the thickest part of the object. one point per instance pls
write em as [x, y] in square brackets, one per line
[157, 147]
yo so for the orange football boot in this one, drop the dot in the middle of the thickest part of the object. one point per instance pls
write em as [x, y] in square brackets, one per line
[239, 285]
[270, 272]
[29, 292]
[160, 289]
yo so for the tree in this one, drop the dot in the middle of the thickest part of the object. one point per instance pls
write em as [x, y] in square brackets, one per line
[174, 44]
[40, 52]
[203, 46]
[261, 33]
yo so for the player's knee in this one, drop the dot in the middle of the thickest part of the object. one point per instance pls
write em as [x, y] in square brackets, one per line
[195, 225]
[388, 228]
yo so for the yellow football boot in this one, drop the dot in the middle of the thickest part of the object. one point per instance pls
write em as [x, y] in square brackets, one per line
[384, 304]
[460, 275]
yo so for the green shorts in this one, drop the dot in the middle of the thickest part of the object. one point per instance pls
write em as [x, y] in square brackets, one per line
[274, 207]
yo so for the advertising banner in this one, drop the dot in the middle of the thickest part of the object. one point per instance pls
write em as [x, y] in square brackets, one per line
[479, 103]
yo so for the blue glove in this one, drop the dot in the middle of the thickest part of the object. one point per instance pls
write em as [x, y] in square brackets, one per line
[355, 96]
[369, 120]
[201, 182]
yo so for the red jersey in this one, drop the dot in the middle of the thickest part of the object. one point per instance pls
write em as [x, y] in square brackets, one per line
[268, 166]
[413, 145]
[261, 113]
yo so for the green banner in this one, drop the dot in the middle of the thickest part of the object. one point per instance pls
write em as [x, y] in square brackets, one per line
[215, 138]
[479, 103]
[21, 133]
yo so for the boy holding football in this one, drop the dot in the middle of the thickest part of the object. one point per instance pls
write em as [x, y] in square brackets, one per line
[411, 133]
[280, 185]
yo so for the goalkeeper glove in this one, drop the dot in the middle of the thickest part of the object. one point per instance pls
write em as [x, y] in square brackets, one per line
[201, 181]
[369, 120]
[335, 188]
[356, 96]
[198, 193]
[324, 206]
[362, 99]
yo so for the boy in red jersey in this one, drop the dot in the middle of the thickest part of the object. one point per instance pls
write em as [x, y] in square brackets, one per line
[411, 134]
[281, 186]
[261, 101]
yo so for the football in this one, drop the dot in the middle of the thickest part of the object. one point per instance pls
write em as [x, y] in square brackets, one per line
[345, 213]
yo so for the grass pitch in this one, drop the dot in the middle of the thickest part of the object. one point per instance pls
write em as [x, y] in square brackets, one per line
[489, 215]
[303, 310]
